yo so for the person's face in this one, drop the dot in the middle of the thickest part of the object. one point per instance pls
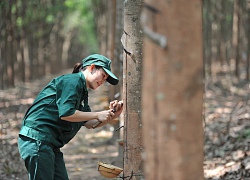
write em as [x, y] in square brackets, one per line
[97, 77]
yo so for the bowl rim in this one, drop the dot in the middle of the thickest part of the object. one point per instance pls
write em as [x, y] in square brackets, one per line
[109, 171]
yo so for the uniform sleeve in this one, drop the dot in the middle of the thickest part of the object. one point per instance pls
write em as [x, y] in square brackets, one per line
[88, 109]
[85, 109]
[68, 95]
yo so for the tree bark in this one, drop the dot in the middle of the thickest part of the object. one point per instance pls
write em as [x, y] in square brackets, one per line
[111, 40]
[248, 43]
[3, 67]
[172, 96]
[132, 72]
[100, 11]
[10, 40]
[236, 35]
[117, 68]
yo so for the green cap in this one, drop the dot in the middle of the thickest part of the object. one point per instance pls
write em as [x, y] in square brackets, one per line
[104, 62]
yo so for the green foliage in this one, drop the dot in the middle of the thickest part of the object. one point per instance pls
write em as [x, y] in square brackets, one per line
[49, 18]
[19, 21]
[50, 32]
[81, 16]
[75, 15]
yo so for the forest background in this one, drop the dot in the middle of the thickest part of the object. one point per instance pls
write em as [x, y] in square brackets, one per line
[41, 38]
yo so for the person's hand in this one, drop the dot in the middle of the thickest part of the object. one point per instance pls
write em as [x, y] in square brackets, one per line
[105, 116]
[116, 107]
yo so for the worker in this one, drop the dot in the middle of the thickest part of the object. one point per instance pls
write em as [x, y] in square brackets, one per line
[58, 113]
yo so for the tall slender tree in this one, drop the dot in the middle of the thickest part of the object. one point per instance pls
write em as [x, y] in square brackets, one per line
[132, 72]
[172, 96]
[118, 71]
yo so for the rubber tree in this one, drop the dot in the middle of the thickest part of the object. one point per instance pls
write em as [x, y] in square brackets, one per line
[172, 91]
[132, 74]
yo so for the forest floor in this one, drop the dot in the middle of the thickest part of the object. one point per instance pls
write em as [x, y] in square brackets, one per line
[226, 129]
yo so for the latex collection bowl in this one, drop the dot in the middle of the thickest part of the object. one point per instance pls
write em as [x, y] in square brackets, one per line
[108, 170]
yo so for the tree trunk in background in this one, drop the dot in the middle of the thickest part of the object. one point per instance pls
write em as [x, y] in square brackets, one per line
[41, 51]
[172, 97]
[226, 30]
[248, 42]
[31, 49]
[56, 42]
[117, 68]
[100, 11]
[26, 60]
[20, 56]
[114, 52]
[217, 32]
[132, 70]
[223, 31]
[207, 24]
[111, 40]
[118, 46]
[236, 34]
[10, 40]
[27, 39]
[65, 48]
[3, 67]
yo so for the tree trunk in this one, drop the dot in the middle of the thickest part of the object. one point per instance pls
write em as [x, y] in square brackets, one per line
[207, 33]
[236, 37]
[117, 68]
[248, 43]
[100, 11]
[10, 46]
[132, 70]
[113, 35]
[56, 42]
[172, 97]
[111, 40]
[3, 36]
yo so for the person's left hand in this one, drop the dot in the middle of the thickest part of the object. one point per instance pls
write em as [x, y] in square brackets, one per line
[117, 107]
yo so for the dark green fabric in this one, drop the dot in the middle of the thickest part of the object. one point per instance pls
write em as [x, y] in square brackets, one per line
[61, 97]
[41, 162]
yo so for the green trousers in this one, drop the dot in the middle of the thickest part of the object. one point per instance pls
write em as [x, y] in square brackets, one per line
[41, 161]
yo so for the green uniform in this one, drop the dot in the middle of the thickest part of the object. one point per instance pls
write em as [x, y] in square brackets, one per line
[43, 132]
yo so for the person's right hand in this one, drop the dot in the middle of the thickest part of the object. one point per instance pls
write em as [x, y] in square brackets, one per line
[105, 116]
